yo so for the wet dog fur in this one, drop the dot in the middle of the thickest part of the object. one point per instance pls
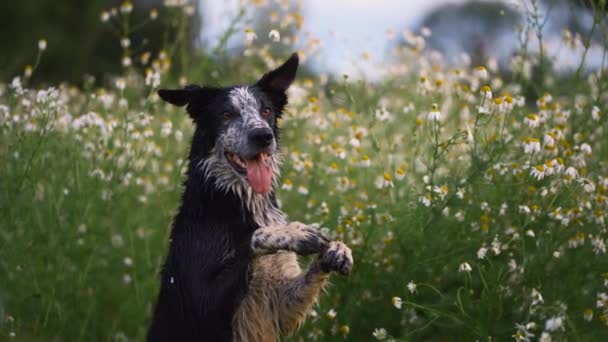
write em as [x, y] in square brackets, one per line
[231, 272]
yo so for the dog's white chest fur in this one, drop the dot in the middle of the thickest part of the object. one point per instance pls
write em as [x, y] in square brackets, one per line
[263, 211]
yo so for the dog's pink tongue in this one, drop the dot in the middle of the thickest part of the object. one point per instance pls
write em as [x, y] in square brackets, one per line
[259, 175]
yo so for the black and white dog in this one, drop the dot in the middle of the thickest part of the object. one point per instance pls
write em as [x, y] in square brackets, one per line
[232, 273]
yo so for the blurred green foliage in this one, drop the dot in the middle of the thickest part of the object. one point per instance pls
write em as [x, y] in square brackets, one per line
[78, 42]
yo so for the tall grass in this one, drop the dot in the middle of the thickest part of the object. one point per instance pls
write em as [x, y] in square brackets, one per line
[473, 211]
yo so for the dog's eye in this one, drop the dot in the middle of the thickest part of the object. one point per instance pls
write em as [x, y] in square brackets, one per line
[266, 112]
[227, 115]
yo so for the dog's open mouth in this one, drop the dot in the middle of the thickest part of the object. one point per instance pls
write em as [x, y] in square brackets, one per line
[257, 170]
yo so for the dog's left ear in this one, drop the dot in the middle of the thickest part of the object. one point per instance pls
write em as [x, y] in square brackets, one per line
[279, 79]
[178, 97]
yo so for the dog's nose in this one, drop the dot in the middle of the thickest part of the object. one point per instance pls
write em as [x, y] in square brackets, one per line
[261, 137]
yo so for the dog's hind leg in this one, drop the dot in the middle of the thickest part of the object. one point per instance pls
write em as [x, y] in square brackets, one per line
[299, 294]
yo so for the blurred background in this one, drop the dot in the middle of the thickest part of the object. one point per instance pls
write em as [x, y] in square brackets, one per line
[350, 36]
[468, 169]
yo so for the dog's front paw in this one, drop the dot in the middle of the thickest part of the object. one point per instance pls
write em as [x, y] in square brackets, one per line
[337, 258]
[295, 237]
[308, 239]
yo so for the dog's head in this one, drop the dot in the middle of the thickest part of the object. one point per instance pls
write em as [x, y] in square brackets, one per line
[236, 138]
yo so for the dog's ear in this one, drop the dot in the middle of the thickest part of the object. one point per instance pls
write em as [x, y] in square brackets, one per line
[279, 79]
[178, 97]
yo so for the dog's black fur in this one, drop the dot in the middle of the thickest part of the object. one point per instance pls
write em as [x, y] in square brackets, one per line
[207, 270]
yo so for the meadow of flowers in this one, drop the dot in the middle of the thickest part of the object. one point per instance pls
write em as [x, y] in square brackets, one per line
[474, 197]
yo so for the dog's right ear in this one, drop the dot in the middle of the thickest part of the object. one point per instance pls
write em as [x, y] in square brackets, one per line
[178, 97]
[278, 80]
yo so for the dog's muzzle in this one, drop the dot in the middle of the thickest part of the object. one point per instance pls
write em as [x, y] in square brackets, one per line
[261, 137]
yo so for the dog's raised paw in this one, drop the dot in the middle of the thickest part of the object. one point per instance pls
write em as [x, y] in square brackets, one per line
[337, 258]
[295, 237]
[309, 238]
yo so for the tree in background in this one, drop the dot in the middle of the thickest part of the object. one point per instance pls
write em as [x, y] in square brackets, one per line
[476, 28]
[81, 39]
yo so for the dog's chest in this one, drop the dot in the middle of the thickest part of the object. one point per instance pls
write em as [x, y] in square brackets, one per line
[268, 215]
[256, 317]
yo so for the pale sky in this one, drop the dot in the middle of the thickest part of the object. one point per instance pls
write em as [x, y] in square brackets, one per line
[347, 28]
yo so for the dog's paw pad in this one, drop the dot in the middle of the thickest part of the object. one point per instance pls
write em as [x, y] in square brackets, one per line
[337, 258]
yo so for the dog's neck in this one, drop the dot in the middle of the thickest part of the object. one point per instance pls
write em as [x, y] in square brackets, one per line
[263, 208]
[237, 199]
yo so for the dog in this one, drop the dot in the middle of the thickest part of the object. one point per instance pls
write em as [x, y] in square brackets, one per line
[231, 272]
